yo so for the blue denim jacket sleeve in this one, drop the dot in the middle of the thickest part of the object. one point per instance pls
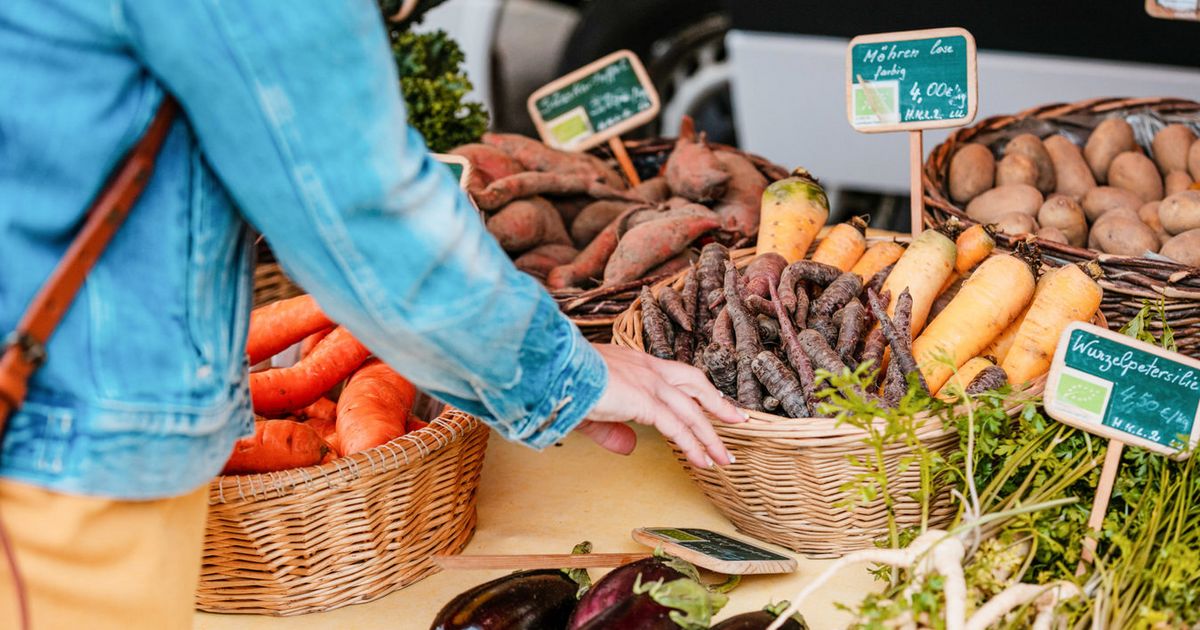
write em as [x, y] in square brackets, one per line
[297, 108]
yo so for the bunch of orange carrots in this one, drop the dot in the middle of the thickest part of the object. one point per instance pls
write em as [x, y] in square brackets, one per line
[299, 423]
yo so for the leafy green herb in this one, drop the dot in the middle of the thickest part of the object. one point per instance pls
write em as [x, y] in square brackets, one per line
[434, 86]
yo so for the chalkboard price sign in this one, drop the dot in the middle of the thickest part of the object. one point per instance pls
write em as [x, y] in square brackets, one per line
[1123, 389]
[911, 80]
[715, 551]
[595, 103]
[459, 167]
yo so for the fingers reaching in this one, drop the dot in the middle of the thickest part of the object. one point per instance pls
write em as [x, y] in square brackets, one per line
[615, 437]
[696, 423]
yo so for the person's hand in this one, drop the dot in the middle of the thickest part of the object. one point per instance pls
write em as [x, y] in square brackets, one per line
[663, 394]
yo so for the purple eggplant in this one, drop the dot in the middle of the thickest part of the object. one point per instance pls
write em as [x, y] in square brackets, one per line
[527, 600]
[682, 604]
[617, 585]
[761, 619]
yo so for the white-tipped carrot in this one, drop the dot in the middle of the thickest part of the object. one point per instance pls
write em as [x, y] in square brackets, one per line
[1066, 294]
[843, 245]
[922, 269]
[877, 257]
[989, 301]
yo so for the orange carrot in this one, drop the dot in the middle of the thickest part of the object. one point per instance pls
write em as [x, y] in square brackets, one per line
[964, 375]
[322, 409]
[276, 445]
[844, 244]
[311, 341]
[373, 407]
[922, 269]
[276, 326]
[415, 424]
[973, 245]
[279, 390]
[877, 257]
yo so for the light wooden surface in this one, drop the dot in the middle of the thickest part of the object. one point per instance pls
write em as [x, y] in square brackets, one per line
[546, 503]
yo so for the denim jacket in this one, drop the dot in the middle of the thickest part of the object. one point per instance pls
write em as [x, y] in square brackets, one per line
[294, 124]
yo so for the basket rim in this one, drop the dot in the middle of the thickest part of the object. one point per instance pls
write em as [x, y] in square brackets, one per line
[450, 427]
[935, 173]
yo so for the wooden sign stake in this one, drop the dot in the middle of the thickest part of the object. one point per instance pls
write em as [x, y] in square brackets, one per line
[619, 152]
[916, 191]
[1108, 476]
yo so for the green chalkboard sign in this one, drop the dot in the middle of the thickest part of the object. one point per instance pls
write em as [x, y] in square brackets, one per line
[460, 167]
[599, 101]
[1124, 389]
[715, 551]
[911, 80]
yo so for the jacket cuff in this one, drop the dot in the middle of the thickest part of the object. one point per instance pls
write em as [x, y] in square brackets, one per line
[573, 391]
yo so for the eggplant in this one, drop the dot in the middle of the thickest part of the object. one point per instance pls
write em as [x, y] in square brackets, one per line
[633, 613]
[682, 603]
[527, 600]
[761, 619]
[617, 585]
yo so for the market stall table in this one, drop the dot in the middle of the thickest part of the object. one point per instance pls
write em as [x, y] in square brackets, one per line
[548, 502]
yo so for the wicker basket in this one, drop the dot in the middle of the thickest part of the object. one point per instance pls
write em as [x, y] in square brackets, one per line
[349, 531]
[787, 485]
[595, 310]
[1127, 280]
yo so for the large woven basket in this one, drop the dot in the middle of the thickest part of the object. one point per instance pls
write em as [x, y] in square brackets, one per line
[788, 485]
[349, 531]
[595, 310]
[1128, 281]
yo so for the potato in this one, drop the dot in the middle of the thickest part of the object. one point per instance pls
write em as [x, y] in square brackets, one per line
[991, 205]
[1071, 172]
[1016, 224]
[1193, 161]
[1170, 147]
[1016, 169]
[1123, 235]
[1136, 173]
[1101, 199]
[1180, 212]
[1064, 214]
[1148, 213]
[1176, 181]
[1052, 234]
[972, 171]
[1031, 146]
[1110, 138]
[1183, 248]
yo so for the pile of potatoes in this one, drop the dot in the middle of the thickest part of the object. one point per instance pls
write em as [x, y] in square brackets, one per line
[1109, 196]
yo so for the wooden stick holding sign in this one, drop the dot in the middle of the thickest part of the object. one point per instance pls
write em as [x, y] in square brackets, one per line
[912, 81]
[1128, 391]
[596, 104]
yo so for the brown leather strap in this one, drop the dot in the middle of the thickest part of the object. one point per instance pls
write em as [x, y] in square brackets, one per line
[25, 348]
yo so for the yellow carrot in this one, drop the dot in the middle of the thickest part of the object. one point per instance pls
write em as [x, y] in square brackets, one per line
[877, 257]
[922, 269]
[793, 211]
[989, 301]
[1066, 294]
[843, 245]
[964, 375]
[974, 245]
[1000, 346]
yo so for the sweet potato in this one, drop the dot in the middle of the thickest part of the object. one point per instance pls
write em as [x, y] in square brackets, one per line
[526, 223]
[595, 217]
[653, 190]
[671, 267]
[649, 244]
[692, 169]
[487, 165]
[541, 259]
[570, 207]
[739, 206]
[589, 263]
[645, 215]
[535, 156]
[503, 191]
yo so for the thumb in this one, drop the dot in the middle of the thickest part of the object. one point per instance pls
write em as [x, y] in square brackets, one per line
[614, 436]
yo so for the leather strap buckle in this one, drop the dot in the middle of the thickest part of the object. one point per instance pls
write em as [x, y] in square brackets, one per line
[32, 351]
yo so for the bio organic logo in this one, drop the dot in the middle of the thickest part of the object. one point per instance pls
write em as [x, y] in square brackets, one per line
[1084, 395]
